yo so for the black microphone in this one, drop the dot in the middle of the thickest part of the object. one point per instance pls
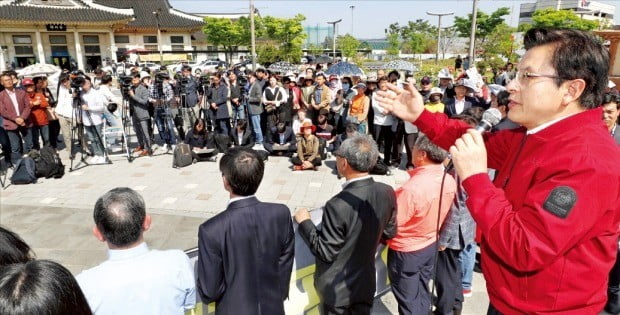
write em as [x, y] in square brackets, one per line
[490, 118]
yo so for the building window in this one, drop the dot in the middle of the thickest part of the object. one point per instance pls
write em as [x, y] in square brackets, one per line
[22, 39]
[178, 47]
[121, 51]
[150, 39]
[121, 39]
[58, 39]
[176, 39]
[90, 39]
[92, 49]
[150, 47]
[60, 51]
[24, 50]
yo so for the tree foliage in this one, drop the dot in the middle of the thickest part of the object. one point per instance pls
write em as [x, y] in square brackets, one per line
[551, 18]
[500, 42]
[417, 36]
[393, 44]
[227, 32]
[289, 33]
[348, 45]
[448, 37]
[485, 23]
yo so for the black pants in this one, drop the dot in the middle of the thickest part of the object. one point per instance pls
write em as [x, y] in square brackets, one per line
[397, 144]
[493, 311]
[613, 290]
[410, 274]
[410, 139]
[449, 288]
[385, 133]
[315, 162]
[54, 130]
[6, 145]
[355, 309]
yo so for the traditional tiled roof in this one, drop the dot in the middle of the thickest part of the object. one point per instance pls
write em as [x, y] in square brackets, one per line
[29, 11]
[169, 18]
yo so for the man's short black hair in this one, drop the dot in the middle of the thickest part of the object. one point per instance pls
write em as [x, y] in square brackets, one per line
[321, 75]
[394, 72]
[351, 128]
[576, 55]
[260, 70]
[106, 78]
[503, 98]
[611, 98]
[243, 169]
[119, 215]
[186, 68]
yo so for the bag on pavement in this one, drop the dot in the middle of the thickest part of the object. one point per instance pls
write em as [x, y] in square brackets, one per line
[48, 164]
[24, 172]
[381, 168]
[182, 156]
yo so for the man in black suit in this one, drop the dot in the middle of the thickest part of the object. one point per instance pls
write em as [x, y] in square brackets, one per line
[241, 136]
[281, 141]
[461, 101]
[354, 222]
[246, 253]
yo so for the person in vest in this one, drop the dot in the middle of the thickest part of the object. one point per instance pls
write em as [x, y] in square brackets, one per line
[273, 97]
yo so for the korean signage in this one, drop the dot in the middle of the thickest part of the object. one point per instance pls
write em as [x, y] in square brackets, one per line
[56, 27]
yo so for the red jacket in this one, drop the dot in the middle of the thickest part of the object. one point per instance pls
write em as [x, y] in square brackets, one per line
[540, 255]
[7, 110]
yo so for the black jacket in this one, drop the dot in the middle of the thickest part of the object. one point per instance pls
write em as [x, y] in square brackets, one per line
[248, 139]
[354, 222]
[200, 142]
[289, 136]
[245, 258]
[450, 108]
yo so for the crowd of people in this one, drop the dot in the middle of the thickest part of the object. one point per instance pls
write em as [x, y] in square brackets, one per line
[539, 193]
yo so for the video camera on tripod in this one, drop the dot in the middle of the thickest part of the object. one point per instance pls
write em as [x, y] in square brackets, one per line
[125, 84]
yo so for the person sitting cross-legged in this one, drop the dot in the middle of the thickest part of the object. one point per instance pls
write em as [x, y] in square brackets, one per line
[308, 156]
[201, 142]
[282, 141]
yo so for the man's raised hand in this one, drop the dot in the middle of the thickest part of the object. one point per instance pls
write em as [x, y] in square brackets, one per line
[406, 103]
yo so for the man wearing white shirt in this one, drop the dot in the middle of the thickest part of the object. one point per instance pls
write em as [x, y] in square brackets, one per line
[92, 114]
[134, 279]
[383, 123]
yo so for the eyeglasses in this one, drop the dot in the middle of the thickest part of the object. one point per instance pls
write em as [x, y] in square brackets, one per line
[522, 75]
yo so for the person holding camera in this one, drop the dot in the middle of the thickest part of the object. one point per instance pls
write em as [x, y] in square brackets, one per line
[160, 96]
[139, 102]
[92, 114]
[111, 100]
[190, 94]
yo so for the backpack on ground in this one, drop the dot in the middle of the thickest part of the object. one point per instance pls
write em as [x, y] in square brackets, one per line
[182, 156]
[24, 172]
[48, 164]
[380, 168]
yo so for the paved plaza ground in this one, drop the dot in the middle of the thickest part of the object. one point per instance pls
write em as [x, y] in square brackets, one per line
[54, 216]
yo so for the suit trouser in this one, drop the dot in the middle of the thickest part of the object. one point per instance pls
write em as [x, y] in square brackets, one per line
[141, 127]
[397, 144]
[613, 290]
[410, 139]
[355, 309]
[15, 137]
[385, 132]
[449, 289]
[6, 145]
[410, 274]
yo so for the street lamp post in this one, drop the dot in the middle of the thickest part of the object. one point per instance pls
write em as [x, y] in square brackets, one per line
[472, 38]
[352, 7]
[159, 44]
[334, 37]
[253, 35]
[438, 31]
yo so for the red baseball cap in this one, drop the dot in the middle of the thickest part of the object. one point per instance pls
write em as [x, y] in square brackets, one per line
[27, 81]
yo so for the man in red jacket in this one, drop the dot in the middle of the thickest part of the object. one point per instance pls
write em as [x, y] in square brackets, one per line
[550, 219]
[15, 112]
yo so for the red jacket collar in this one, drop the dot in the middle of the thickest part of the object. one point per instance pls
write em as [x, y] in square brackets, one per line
[574, 122]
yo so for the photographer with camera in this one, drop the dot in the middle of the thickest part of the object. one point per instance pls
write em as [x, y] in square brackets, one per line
[92, 105]
[139, 102]
[111, 101]
[190, 94]
[160, 96]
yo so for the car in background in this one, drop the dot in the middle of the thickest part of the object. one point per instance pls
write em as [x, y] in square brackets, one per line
[153, 67]
[209, 66]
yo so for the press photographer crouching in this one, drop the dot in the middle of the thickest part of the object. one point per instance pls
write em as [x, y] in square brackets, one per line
[139, 102]
[160, 96]
[92, 112]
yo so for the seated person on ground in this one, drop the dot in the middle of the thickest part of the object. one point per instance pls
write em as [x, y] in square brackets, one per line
[350, 132]
[308, 156]
[241, 136]
[134, 279]
[201, 142]
[324, 130]
[282, 141]
[299, 120]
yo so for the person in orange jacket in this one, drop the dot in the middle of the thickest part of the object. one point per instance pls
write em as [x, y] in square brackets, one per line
[550, 219]
[38, 114]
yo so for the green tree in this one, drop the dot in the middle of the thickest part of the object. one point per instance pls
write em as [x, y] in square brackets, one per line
[393, 44]
[315, 50]
[227, 33]
[348, 45]
[289, 33]
[267, 53]
[500, 42]
[561, 19]
[485, 23]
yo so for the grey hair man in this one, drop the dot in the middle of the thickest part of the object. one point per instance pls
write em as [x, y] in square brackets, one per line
[134, 279]
[354, 222]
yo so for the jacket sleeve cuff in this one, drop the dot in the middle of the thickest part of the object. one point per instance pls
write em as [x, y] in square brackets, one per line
[306, 227]
[477, 184]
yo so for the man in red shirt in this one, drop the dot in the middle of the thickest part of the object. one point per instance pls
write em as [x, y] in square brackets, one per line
[550, 219]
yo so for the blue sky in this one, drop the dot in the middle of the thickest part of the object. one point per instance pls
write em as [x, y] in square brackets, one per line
[370, 18]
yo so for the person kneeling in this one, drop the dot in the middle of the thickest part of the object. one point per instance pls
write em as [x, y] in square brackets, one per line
[201, 143]
[307, 150]
[282, 141]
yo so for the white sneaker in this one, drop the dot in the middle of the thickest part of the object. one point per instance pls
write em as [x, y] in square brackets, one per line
[164, 147]
[100, 159]
[174, 147]
[93, 160]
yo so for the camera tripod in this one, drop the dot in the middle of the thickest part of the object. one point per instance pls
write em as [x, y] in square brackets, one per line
[123, 129]
[77, 133]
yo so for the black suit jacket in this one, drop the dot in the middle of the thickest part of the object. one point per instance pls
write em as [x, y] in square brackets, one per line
[354, 222]
[450, 108]
[245, 258]
[289, 136]
[248, 140]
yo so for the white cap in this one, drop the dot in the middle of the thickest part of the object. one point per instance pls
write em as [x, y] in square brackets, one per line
[445, 74]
